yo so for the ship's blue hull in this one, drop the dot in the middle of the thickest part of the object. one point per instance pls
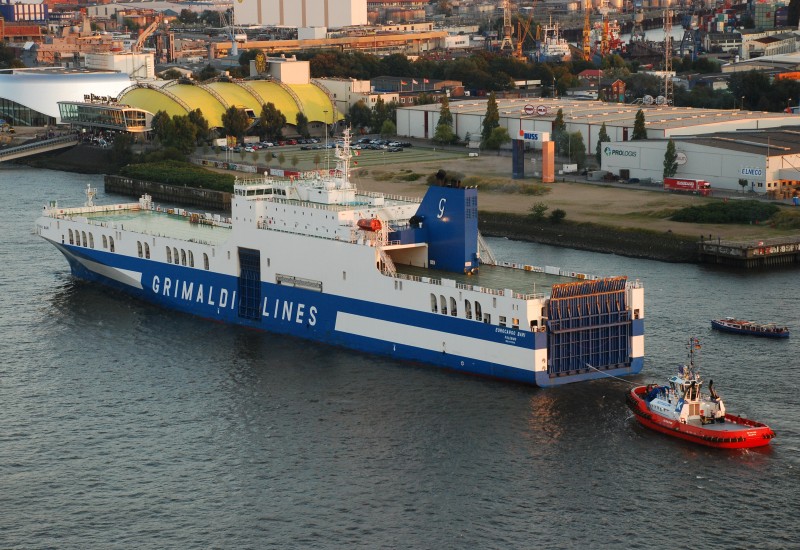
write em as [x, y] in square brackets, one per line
[325, 318]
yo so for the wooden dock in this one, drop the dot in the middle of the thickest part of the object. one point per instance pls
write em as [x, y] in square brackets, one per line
[776, 252]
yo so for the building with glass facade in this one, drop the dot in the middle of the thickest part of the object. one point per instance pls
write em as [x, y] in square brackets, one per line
[29, 97]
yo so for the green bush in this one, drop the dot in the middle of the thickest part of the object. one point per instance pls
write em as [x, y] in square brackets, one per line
[557, 215]
[786, 219]
[179, 173]
[741, 212]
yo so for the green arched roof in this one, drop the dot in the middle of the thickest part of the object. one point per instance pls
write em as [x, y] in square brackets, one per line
[151, 100]
[272, 92]
[234, 95]
[313, 100]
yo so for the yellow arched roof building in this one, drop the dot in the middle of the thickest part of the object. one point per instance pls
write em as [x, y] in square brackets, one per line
[214, 98]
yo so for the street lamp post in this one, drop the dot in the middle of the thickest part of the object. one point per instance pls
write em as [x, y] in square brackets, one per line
[742, 103]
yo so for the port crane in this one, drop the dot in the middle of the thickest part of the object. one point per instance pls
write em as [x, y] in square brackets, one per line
[146, 33]
[506, 45]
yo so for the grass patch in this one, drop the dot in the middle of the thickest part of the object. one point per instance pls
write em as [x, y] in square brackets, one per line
[786, 219]
[176, 172]
[731, 212]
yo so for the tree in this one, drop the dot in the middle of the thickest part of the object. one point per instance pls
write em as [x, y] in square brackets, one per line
[281, 159]
[235, 122]
[560, 136]
[161, 125]
[317, 160]
[498, 138]
[492, 118]
[639, 131]
[444, 128]
[302, 125]
[601, 138]
[670, 160]
[171, 74]
[196, 117]
[388, 129]
[380, 113]
[206, 73]
[743, 183]
[294, 161]
[271, 123]
[188, 17]
[359, 115]
[577, 149]
[121, 153]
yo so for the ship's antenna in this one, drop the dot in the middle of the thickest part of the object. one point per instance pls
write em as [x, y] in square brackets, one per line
[343, 155]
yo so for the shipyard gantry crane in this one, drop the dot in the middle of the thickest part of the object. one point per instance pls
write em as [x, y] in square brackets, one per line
[507, 45]
[587, 31]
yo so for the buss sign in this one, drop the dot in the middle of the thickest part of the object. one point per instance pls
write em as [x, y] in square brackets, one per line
[535, 136]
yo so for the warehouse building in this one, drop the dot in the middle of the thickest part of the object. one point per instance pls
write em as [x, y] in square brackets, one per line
[767, 162]
[587, 117]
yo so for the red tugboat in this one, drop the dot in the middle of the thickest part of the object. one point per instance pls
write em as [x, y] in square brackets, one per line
[682, 410]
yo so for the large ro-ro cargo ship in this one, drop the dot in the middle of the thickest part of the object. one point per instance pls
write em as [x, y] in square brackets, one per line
[406, 278]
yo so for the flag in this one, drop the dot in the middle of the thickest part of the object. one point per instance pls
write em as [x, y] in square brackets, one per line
[414, 82]
[426, 81]
[403, 83]
[357, 152]
[355, 163]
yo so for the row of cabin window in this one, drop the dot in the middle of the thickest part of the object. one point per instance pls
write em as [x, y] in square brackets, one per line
[441, 304]
[79, 238]
[180, 258]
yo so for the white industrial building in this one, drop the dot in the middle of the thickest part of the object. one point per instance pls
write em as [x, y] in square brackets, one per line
[346, 92]
[301, 13]
[769, 160]
[587, 117]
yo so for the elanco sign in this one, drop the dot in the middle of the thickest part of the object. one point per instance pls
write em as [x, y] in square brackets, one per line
[612, 152]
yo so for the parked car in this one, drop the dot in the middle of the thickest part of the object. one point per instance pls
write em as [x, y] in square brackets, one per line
[395, 149]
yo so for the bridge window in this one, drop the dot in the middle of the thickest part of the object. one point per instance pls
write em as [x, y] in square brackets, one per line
[478, 311]
[205, 261]
[91, 240]
[467, 309]
[169, 255]
[487, 318]
[105, 241]
[83, 237]
[139, 248]
[183, 257]
[453, 308]
[191, 259]
[443, 301]
[502, 321]
[434, 304]
[514, 322]
[71, 237]
[175, 256]
[111, 243]
[147, 251]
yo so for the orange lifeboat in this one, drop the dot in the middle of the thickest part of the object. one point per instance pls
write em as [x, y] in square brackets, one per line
[372, 224]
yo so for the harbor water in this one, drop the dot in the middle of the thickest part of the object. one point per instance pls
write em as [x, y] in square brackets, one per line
[128, 426]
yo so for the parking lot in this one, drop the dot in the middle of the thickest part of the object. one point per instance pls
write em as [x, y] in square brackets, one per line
[310, 156]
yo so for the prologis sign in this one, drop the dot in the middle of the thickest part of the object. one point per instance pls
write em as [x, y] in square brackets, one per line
[614, 152]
